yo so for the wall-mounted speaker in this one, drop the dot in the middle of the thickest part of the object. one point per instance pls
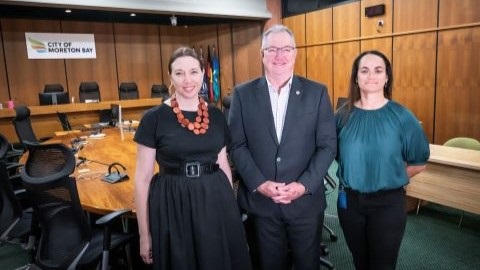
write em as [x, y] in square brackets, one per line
[375, 10]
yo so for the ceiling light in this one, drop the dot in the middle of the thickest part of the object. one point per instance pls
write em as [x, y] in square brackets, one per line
[68, 11]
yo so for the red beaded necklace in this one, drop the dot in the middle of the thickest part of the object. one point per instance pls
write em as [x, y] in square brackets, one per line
[200, 125]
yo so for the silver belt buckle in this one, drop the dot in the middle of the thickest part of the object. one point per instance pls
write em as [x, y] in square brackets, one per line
[192, 169]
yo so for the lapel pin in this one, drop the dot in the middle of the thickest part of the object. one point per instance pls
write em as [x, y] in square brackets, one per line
[298, 92]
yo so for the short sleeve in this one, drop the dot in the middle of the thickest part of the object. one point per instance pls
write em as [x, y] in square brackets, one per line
[145, 133]
[416, 148]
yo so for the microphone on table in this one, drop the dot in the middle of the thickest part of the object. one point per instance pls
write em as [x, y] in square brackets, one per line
[83, 159]
[114, 174]
[78, 139]
[77, 142]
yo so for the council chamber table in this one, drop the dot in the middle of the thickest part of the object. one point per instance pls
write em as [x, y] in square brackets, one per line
[96, 195]
[452, 178]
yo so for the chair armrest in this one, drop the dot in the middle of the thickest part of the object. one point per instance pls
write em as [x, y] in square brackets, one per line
[20, 192]
[107, 219]
[13, 154]
[13, 165]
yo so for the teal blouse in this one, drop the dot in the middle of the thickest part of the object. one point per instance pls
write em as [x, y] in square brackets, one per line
[375, 145]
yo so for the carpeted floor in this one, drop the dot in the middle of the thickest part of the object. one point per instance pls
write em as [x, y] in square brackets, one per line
[432, 241]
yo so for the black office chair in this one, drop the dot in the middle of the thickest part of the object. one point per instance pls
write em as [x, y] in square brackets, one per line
[15, 221]
[51, 88]
[23, 125]
[160, 91]
[11, 160]
[67, 241]
[128, 90]
[7, 154]
[89, 92]
[330, 184]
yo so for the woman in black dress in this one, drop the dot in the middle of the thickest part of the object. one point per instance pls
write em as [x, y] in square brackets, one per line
[187, 213]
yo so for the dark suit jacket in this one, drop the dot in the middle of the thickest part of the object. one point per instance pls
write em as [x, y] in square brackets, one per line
[307, 147]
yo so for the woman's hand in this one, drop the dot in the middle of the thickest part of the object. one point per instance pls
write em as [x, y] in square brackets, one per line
[146, 249]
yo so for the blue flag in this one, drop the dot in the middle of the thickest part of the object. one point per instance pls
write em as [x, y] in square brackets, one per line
[215, 74]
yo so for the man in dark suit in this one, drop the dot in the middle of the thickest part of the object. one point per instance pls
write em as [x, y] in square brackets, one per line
[283, 142]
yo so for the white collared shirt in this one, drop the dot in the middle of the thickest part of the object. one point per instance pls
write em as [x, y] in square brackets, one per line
[279, 102]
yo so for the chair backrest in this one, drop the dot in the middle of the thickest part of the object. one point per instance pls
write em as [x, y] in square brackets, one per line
[226, 102]
[23, 125]
[4, 146]
[89, 91]
[463, 142]
[53, 193]
[160, 91]
[128, 90]
[10, 208]
[64, 121]
[56, 87]
[106, 116]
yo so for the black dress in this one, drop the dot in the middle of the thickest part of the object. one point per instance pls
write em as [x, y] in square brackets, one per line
[195, 223]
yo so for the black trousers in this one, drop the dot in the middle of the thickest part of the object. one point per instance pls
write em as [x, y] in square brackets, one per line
[373, 225]
[277, 237]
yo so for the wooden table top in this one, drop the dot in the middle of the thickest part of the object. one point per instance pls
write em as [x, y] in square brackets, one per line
[96, 195]
[457, 157]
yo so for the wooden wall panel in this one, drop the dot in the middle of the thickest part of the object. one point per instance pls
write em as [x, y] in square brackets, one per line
[225, 52]
[319, 63]
[370, 25]
[297, 25]
[319, 26]
[137, 47]
[458, 81]
[171, 37]
[246, 43]
[410, 15]
[346, 21]
[275, 8]
[102, 69]
[205, 36]
[454, 12]
[4, 93]
[27, 77]
[383, 45]
[414, 57]
[301, 62]
[343, 56]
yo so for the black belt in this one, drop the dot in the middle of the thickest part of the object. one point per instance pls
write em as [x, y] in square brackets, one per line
[192, 169]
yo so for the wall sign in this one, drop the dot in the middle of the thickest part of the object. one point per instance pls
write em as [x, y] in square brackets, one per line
[60, 46]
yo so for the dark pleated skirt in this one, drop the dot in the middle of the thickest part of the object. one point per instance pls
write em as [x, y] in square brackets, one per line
[195, 224]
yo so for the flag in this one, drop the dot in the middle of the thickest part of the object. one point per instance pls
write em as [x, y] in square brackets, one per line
[208, 72]
[215, 75]
[204, 89]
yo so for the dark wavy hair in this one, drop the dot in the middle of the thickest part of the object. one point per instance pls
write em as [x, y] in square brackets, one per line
[184, 51]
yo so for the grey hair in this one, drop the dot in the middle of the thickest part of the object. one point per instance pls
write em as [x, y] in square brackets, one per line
[277, 28]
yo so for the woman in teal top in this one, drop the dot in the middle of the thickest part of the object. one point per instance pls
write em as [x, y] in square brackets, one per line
[380, 146]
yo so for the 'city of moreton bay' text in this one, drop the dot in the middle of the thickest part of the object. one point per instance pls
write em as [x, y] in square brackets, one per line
[66, 47]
